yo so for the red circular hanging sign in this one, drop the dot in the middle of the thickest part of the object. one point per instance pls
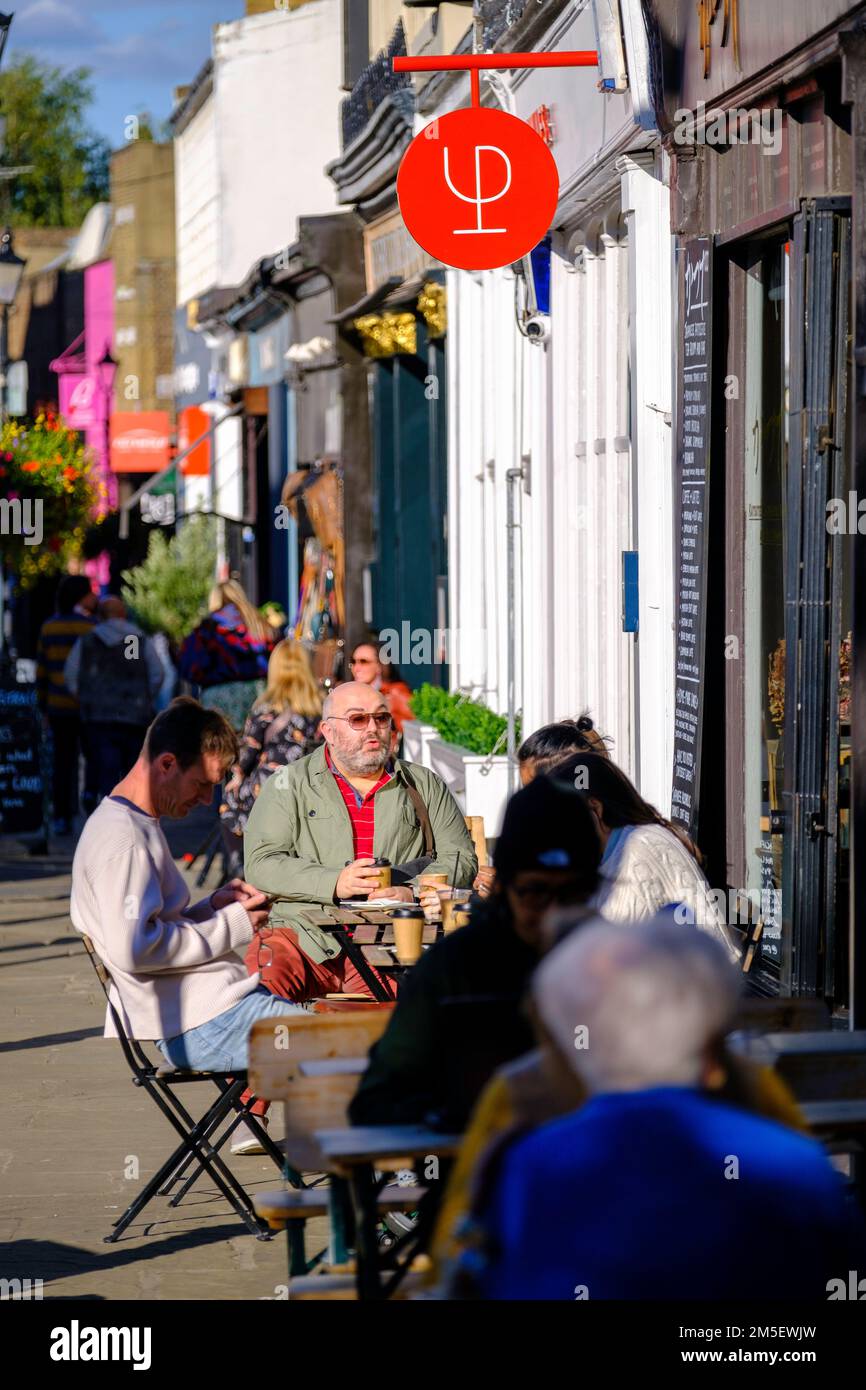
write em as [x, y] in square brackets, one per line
[478, 188]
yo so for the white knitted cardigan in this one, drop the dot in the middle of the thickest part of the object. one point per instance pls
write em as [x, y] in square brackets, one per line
[648, 867]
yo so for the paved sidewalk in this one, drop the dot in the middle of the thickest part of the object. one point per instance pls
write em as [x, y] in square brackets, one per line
[74, 1124]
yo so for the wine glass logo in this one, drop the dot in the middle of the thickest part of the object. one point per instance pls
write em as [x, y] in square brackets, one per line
[477, 197]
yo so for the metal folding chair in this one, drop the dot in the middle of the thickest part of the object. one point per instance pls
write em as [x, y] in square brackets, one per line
[199, 1148]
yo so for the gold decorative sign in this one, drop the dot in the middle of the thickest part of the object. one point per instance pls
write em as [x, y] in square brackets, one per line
[431, 303]
[383, 335]
[707, 10]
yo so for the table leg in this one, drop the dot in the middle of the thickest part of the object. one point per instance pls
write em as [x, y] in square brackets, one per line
[368, 975]
[340, 1221]
[364, 1196]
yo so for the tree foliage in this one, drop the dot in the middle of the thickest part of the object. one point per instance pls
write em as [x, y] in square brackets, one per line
[169, 590]
[45, 113]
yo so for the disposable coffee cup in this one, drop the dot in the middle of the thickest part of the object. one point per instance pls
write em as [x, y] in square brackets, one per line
[384, 867]
[408, 925]
[432, 880]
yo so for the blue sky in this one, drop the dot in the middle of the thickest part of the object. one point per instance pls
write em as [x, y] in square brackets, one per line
[139, 50]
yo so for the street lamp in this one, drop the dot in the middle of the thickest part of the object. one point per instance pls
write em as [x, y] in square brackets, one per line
[11, 270]
[106, 371]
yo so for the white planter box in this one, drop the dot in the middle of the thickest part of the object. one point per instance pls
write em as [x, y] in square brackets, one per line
[479, 784]
[487, 790]
[416, 741]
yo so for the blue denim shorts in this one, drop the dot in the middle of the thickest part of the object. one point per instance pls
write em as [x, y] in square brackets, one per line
[222, 1044]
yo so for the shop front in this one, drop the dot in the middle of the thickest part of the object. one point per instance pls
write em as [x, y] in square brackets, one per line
[762, 212]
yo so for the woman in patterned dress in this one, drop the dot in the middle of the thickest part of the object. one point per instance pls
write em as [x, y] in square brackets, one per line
[282, 726]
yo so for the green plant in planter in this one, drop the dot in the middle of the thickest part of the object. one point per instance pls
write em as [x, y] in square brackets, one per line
[467, 723]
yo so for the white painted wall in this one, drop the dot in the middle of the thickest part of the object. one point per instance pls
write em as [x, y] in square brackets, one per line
[652, 296]
[197, 209]
[277, 87]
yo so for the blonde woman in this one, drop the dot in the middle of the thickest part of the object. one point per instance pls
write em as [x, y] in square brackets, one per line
[226, 656]
[282, 726]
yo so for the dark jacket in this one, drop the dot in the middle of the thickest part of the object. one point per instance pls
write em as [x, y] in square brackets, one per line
[221, 650]
[458, 1018]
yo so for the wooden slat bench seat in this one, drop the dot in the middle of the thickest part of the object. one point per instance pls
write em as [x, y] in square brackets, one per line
[287, 1204]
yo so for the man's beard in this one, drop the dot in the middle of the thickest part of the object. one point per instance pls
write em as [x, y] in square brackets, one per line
[362, 762]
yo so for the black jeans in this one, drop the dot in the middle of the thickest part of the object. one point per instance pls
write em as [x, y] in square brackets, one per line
[112, 749]
[66, 737]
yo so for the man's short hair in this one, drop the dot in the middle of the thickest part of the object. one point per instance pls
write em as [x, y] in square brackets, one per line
[189, 731]
[71, 590]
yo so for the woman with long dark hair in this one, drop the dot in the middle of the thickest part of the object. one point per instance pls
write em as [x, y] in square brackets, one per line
[550, 744]
[647, 862]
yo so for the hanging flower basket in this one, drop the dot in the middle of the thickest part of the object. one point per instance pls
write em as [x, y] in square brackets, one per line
[49, 493]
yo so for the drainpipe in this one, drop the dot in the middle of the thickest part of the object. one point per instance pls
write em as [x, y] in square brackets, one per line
[513, 478]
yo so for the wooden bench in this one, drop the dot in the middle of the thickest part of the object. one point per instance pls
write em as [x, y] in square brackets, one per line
[826, 1071]
[312, 1063]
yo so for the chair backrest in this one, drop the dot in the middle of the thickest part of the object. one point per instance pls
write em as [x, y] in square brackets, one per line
[279, 1046]
[132, 1051]
[475, 826]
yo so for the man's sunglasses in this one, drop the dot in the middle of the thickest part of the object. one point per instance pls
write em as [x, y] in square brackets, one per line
[358, 722]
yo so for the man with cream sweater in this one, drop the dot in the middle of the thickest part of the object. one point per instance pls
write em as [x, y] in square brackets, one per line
[178, 977]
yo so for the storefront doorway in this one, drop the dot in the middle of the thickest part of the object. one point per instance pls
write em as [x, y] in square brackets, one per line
[773, 793]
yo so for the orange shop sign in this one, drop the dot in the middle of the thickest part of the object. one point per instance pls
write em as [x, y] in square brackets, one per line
[139, 442]
[192, 424]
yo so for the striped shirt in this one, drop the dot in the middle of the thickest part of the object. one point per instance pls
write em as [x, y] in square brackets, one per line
[362, 812]
[56, 640]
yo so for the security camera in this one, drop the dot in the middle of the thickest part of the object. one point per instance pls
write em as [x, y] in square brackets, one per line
[537, 328]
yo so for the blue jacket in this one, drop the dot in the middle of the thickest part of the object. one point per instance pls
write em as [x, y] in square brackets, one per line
[664, 1194]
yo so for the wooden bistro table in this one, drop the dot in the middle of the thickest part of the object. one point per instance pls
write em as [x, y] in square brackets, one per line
[367, 937]
[353, 1155]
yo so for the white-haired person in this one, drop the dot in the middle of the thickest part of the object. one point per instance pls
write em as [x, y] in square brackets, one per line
[653, 1189]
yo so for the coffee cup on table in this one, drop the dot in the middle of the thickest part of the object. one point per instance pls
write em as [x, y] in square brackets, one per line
[408, 923]
[453, 903]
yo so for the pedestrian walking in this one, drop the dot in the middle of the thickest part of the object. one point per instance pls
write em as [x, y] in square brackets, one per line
[227, 654]
[73, 618]
[282, 727]
[116, 674]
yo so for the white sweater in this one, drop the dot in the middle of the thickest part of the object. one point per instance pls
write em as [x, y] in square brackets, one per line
[174, 967]
[648, 867]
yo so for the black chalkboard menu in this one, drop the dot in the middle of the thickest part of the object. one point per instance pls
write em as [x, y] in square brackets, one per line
[690, 535]
[21, 788]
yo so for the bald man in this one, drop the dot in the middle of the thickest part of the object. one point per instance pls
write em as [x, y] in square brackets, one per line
[115, 673]
[319, 823]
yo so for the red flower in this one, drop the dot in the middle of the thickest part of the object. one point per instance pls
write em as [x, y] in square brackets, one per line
[69, 473]
[32, 467]
[2, 472]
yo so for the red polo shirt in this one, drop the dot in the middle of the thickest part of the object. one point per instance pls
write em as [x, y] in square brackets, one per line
[362, 812]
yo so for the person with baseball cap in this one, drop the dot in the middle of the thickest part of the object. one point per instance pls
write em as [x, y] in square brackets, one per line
[459, 1013]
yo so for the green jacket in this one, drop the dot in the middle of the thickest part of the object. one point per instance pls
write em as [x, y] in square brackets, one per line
[299, 837]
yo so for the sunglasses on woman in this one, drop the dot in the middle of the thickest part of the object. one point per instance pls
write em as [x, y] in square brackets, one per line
[358, 722]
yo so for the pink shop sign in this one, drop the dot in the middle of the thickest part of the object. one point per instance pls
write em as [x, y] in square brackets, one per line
[81, 403]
